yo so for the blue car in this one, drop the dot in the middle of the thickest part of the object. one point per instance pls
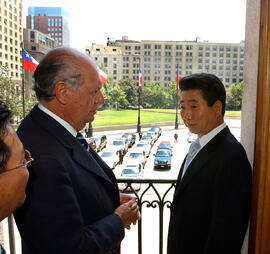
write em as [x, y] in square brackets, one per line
[162, 158]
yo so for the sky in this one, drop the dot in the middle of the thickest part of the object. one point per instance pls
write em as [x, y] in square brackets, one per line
[171, 20]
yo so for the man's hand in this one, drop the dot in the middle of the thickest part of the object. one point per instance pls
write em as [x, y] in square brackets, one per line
[128, 213]
[124, 198]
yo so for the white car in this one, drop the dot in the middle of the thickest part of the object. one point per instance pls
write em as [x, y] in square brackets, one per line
[145, 147]
[130, 172]
[191, 137]
[136, 156]
[118, 144]
[147, 139]
[111, 157]
[153, 135]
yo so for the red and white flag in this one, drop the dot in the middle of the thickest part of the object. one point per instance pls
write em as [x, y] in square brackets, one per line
[177, 81]
[102, 75]
[140, 79]
[29, 62]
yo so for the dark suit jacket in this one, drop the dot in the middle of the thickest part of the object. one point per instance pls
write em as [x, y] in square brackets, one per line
[211, 205]
[70, 197]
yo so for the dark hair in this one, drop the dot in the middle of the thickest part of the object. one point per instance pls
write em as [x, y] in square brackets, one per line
[211, 86]
[59, 64]
[5, 114]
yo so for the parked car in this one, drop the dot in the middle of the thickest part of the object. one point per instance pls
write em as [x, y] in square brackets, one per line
[166, 145]
[119, 143]
[153, 135]
[147, 139]
[162, 158]
[191, 137]
[92, 143]
[157, 130]
[131, 138]
[101, 142]
[145, 147]
[130, 172]
[111, 157]
[135, 156]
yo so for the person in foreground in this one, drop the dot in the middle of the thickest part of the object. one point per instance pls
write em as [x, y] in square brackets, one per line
[73, 203]
[211, 203]
[13, 167]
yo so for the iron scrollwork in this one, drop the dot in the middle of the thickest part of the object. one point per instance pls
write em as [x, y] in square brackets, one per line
[160, 202]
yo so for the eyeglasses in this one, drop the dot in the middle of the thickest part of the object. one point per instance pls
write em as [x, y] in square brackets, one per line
[26, 162]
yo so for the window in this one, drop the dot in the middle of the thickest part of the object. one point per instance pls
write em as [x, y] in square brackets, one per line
[157, 46]
[168, 47]
[147, 46]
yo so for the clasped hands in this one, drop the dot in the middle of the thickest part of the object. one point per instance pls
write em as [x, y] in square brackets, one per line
[128, 210]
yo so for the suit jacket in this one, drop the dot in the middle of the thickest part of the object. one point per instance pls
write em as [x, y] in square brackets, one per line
[211, 205]
[71, 194]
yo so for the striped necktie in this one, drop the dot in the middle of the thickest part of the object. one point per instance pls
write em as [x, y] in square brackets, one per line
[195, 146]
[83, 141]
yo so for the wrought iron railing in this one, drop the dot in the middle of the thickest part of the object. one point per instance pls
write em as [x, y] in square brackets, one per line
[161, 201]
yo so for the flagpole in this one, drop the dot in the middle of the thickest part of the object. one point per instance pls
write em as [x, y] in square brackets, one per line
[176, 107]
[23, 102]
[139, 101]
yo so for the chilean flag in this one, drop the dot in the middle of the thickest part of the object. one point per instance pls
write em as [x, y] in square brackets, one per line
[140, 79]
[102, 75]
[29, 63]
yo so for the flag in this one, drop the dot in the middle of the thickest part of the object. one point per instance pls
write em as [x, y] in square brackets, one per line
[140, 79]
[102, 75]
[29, 62]
[177, 81]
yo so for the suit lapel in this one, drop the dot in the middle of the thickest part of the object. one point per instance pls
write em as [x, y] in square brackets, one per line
[199, 161]
[79, 154]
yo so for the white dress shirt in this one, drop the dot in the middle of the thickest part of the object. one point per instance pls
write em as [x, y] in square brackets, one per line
[65, 124]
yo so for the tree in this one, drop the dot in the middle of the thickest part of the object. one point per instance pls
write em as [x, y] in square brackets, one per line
[131, 91]
[9, 92]
[172, 96]
[234, 96]
[117, 95]
[153, 95]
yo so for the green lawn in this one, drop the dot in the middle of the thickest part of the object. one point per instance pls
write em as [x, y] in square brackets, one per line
[113, 117]
[120, 117]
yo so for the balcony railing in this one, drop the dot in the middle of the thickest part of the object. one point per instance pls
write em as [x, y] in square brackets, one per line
[159, 200]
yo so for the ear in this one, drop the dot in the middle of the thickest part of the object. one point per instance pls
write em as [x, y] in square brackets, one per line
[61, 91]
[218, 108]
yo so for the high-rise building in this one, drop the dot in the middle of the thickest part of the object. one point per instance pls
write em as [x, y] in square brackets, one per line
[50, 20]
[160, 60]
[37, 44]
[11, 36]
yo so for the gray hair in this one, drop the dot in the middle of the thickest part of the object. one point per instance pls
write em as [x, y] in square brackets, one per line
[61, 64]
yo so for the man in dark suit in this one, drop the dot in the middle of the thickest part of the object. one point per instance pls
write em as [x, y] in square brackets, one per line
[73, 203]
[211, 204]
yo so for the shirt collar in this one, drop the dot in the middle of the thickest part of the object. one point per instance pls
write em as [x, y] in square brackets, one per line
[207, 137]
[65, 124]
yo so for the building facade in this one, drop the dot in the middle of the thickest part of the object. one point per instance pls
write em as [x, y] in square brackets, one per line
[50, 20]
[11, 37]
[160, 60]
[37, 44]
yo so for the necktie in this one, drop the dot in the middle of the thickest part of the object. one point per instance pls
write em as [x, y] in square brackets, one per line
[195, 146]
[83, 141]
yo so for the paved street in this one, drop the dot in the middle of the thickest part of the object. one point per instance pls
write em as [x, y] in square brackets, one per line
[150, 216]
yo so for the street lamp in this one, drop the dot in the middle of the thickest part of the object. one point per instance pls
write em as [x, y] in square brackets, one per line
[176, 107]
[139, 98]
